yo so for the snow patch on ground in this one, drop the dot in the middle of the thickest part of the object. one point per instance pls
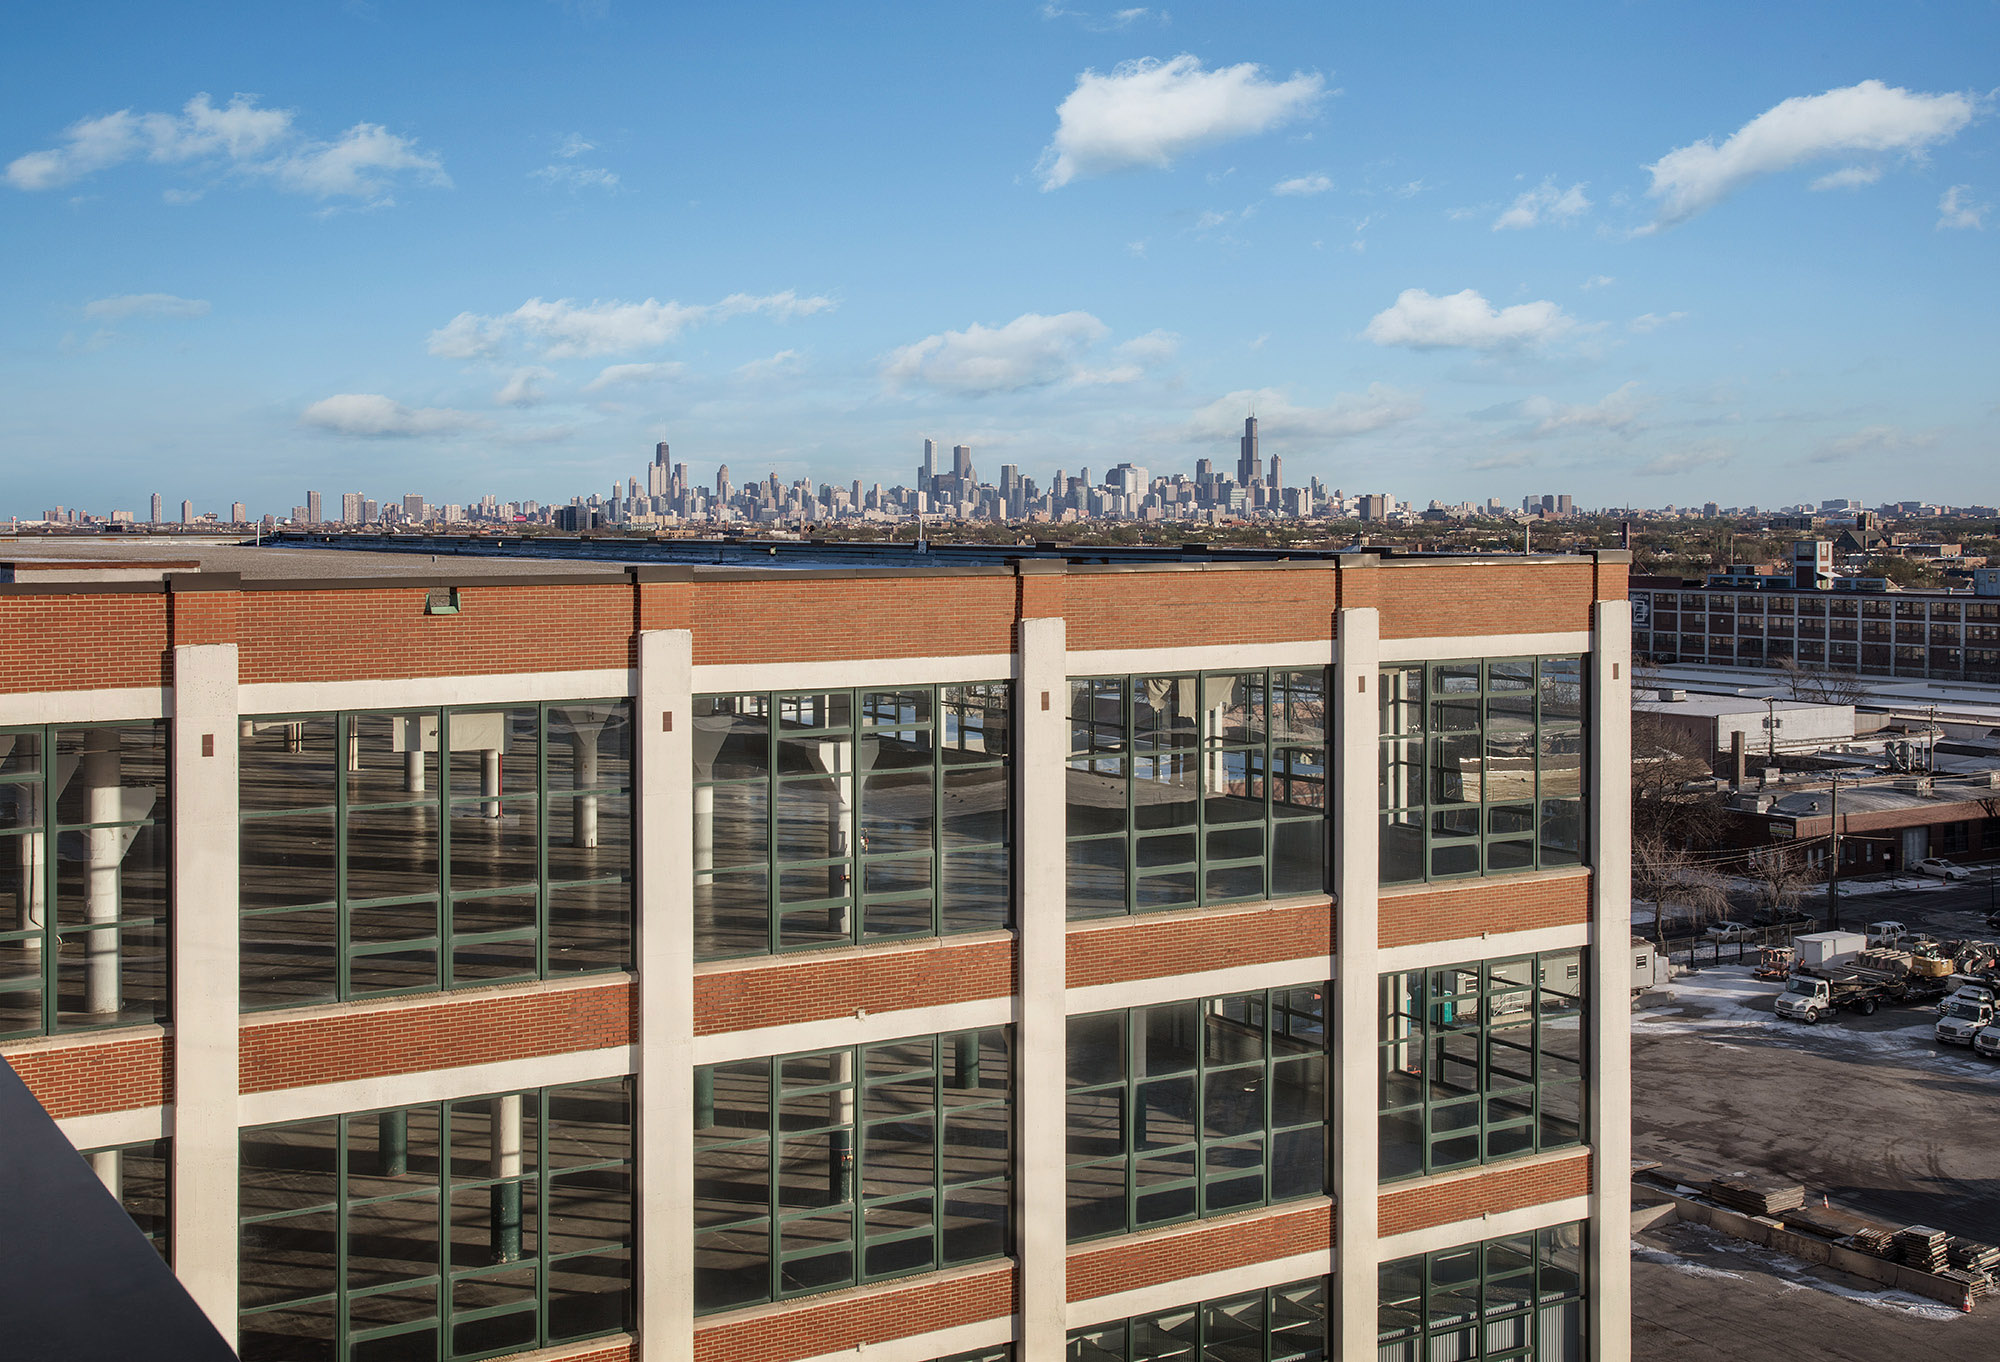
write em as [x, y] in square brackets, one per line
[1795, 1275]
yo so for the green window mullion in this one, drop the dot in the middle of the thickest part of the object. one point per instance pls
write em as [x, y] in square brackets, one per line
[542, 843]
[444, 806]
[938, 727]
[342, 928]
[773, 925]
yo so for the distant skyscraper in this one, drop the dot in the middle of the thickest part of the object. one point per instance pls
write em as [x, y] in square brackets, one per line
[1248, 466]
[187, 513]
[961, 462]
[352, 508]
[927, 470]
[312, 508]
[1277, 473]
[239, 514]
[413, 506]
[722, 483]
[157, 508]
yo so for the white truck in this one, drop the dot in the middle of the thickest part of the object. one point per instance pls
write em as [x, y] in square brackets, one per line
[1987, 1043]
[1808, 997]
[1963, 1018]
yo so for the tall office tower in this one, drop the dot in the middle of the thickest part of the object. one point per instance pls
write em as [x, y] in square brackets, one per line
[1277, 473]
[961, 465]
[632, 487]
[351, 508]
[413, 506]
[187, 513]
[1549, 504]
[1204, 469]
[1564, 505]
[239, 514]
[313, 513]
[371, 511]
[1249, 468]
[722, 484]
[157, 508]
[660, 454]
[927, 470]
[680, 480]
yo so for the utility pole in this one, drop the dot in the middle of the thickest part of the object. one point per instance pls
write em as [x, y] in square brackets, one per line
[1833, 870]
[1771, 729]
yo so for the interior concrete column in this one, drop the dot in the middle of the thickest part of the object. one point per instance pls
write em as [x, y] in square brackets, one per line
[1041, 700]
[103, 805]
[1608, 796]
[1355, 1141]
[205, 985]
[663, 845]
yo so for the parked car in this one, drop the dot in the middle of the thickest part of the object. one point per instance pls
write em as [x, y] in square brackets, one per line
[1886, 934]
[1943, 869]
[1729, 931]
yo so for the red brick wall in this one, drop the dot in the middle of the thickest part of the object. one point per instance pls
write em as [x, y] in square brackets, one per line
[1205, 1246]
[809, 619]
[279, 1051]
[84, 1079]
[1613, 581]
[1469, 907]
[1444, 600]
[801, 989]
[806, 1329]
[1183, 608]
[204, 616]
[1146, 948]
[1500, 1189]
[83, 642]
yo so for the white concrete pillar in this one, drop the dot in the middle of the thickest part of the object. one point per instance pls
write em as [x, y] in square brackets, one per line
[34, 893]
[583, 746]
[1609, 1079]
[109, 1165]
[704, 835]
[205, 984]
[663, 827]
[103, 804]
[1041, 700]
[1354, 1138]
[489, 781]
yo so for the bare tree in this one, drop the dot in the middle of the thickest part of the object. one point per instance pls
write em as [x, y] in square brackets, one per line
[1783, 878]
[1667, 875]
[1820, 685]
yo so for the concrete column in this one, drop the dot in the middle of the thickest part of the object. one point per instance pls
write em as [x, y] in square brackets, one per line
[503, 1137]
[1041, 700]
[663, 816]
[1609, 1078]
[1354, 1138]
[704, 835]
[109, 1165]
[583, 744]
[489, 781]
[34, 867]
[103, 803]
[205, 935]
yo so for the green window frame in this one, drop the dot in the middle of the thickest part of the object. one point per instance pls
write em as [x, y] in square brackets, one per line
[1286, 1323]
[850, 817]
[85, 877]
[1195, 788]
[1482, 767]
[1184, 1110]
[824, 1169]
[1518, 1299]
[140, 1176]
[1482, 1061]
[389, 852]
[445, 1231]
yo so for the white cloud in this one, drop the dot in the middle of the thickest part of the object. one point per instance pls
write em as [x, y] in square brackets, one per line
[1853, 177]
[1282, 422]
[1685, 461]
[1465, 320]
[145, 305]
[565, 328]
[1147, 112]
[373, 415]
[1617, 411]
[1958, 209]
[1303, 186]
[1544, 203]
[1652, 321]
[617, 374]
[524, 387]
[1104, 23]
[1598, 281]
[1155, 347]
[1875, 440]
[238, 136]
[1032, 351]
[773, 366]
[1869, 117]
[574, 146]
[574, 178]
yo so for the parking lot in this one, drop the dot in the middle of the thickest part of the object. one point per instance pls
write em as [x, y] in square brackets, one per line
[1869, 1111]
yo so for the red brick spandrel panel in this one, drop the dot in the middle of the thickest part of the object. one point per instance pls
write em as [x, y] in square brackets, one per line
[803, 989]
[281, 1052]
[1447, 601]
[1469, 907]
[97, 1076]
[597, 1350]
[383, 633]
[1147, 948]
[204, 617]
[1188, 608]
[106, 641]
[1203, 1247]
[1614, 581]
[872, 1316]
[1497, 1190]
[835, 618]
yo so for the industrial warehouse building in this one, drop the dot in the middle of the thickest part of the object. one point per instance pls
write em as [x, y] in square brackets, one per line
[756, 954]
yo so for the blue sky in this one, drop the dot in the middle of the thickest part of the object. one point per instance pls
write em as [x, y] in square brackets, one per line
[1642, 253]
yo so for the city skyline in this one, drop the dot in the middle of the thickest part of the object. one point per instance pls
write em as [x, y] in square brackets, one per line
[1122, 231]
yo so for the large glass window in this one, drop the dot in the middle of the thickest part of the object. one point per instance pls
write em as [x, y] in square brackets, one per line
[1520, 1299]
[817, 1171]
[84, 872]
[444, 1231]
[1200, 788]
[1278, 1324]
[1481, 767]
[138, 1175]
[1481, 1061]
[433, 849]
[1190, 1109]
[837, 817]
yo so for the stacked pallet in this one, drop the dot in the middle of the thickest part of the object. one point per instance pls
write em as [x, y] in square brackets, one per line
[1972, 1255]
[1881, 1243]
[1756, 1196]
[1920, 1246]
[1976, 1284]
